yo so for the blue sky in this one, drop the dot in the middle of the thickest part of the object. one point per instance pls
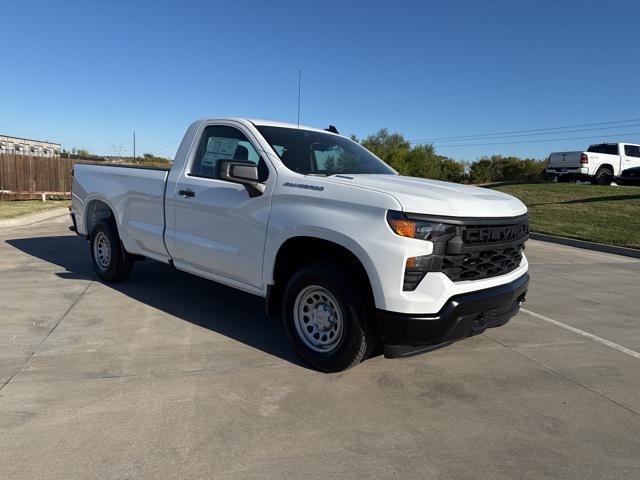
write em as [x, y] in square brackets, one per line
[88, 73]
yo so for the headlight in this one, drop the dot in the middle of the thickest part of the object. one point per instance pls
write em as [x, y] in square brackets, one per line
[406, 226]
[437, 232]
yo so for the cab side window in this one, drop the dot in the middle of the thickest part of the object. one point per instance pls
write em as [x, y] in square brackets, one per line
[221, 143]
[632, 150]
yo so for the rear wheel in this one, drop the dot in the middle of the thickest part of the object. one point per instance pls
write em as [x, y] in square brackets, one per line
[329, 317]
[110, 260]
[604, 176]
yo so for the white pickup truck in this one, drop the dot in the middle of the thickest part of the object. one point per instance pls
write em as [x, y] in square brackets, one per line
[600, 164]
[349, 252]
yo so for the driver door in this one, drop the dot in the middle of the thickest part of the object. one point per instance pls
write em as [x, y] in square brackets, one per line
[220, 229]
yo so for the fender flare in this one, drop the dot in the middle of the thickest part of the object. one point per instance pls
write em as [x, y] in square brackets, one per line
[100, 198]
[348, 243]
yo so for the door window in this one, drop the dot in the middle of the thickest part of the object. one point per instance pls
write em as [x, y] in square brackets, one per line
[221, 143]
[632, 151]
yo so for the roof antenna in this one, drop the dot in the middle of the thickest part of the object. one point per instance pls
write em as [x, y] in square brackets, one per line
[299, 93]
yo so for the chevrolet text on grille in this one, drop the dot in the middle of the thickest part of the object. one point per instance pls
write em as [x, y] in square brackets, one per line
[495, 234]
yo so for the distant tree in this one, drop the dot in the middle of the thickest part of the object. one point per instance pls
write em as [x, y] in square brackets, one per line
[452, 170]
[330, 165]
[149, 158]
[414, 161]
[393, 148]
[481, 171]
[498, 168]
[80, 154]
[422, 161]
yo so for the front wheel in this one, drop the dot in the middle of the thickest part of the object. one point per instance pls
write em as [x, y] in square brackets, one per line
[110, 261]
[328, 317]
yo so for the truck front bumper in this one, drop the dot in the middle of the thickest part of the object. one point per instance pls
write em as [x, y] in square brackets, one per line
[461, 317]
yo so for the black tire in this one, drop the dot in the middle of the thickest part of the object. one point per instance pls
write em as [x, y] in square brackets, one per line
[604, 176]
[117, 265]
[358, 336]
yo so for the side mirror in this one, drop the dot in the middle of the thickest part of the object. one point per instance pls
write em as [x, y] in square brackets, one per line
[242, 172]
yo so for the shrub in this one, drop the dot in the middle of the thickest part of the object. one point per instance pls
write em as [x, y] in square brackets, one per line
[502, 169]
[413, 161]
[423, 161]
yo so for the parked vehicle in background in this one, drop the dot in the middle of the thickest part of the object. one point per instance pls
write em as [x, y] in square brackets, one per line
[600, 163]
[349, 252]
[630, 176]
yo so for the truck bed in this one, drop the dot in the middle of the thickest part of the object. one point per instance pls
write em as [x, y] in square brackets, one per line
[135, 193]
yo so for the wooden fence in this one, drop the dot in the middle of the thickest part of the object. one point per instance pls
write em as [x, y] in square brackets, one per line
[21, 175]
[26, 178]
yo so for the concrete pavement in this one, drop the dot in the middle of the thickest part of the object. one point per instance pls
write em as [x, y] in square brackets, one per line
[32, 218]
[171, 376]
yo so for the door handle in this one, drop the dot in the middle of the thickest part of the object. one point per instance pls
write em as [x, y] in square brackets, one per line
[187, 193]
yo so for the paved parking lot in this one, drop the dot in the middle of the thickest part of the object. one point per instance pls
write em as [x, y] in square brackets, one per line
[171, 376]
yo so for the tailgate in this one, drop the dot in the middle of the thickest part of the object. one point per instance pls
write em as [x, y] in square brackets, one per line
[564, 160]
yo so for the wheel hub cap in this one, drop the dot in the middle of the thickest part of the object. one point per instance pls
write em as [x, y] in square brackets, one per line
[323, 317]
[318, 319]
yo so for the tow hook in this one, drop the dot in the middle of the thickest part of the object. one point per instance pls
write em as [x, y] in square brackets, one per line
[522, 298]
[479, 324]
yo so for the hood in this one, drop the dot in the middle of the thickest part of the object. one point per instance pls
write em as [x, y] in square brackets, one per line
[433, 197]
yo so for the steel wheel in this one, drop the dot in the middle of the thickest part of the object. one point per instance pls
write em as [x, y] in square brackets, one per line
[318, 319]
[102, 250]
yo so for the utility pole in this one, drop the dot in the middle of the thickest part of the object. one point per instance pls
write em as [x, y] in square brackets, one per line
[134, 146]
[299, 92]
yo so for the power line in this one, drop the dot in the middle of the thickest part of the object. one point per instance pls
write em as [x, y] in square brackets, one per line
[600, 131]
[534, 141]
[561, 132]
[299, 94]
[478, 88]
[512, 132]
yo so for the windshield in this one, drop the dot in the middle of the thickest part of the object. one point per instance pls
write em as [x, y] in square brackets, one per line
[316, 153]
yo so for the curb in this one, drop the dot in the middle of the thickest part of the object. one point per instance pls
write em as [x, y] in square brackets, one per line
[34, 218]
[598, 247]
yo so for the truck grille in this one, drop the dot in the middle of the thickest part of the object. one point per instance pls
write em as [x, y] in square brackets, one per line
[483, 251]
[482, 264]
[465, 248]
